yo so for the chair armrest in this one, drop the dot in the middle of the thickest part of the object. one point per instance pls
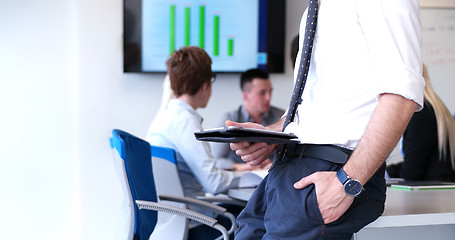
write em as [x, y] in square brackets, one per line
[193, 201]
[222, 199]
[204, 204]
[184, 213]
[226, 200]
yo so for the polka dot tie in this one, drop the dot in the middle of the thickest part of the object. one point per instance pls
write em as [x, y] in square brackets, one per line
[296, 98]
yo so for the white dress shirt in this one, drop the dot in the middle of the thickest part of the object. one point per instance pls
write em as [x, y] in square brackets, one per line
[362, 49]
[174, 128]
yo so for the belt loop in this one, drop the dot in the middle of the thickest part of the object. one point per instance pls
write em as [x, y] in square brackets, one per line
[290, 148]
[302, 150]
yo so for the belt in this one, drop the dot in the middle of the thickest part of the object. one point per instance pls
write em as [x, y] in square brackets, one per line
[327, 152]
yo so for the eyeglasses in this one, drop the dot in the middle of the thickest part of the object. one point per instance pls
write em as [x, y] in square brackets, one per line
[213, 79]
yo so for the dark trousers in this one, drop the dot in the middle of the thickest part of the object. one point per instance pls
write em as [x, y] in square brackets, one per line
[277, 210]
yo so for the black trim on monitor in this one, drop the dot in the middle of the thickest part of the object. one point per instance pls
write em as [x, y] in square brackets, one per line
[275, 36]
[132, 37]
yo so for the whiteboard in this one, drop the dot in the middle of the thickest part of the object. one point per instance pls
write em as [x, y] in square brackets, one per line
[438, 30]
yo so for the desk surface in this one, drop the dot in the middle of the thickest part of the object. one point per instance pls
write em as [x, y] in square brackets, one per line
[417, 207]
[241, 193]
[403, 207]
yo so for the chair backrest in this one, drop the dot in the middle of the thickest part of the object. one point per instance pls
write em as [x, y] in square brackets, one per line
[167, 181]
[138, 171]
[165, 171]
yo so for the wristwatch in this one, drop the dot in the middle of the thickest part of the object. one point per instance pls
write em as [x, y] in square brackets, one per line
[351, 186]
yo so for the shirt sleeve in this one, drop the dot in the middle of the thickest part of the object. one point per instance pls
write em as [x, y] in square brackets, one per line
[221, 150]
[224, 163]
[201, 162]
[393, 33]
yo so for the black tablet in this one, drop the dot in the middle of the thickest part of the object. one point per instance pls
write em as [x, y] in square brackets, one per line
[241, 134]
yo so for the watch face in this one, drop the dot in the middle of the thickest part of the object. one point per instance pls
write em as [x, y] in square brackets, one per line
[353, 187]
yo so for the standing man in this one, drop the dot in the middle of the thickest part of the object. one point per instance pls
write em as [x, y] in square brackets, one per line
[363, 85]
[257, 93]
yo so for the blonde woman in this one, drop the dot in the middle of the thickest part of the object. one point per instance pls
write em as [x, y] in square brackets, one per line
[428, 142]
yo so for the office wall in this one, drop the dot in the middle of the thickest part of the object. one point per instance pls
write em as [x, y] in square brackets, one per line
[438, 27]
[38, 108]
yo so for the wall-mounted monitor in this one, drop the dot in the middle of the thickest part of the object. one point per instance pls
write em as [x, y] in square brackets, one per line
[237, 34]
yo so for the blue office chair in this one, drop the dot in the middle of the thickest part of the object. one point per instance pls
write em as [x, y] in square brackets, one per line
[133, 159]
[167, 181]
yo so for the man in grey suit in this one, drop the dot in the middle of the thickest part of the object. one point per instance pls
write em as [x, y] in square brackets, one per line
[257, 94]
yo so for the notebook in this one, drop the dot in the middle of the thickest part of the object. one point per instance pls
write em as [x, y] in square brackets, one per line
[423, 185]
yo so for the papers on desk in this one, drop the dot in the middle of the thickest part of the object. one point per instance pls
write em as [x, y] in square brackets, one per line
[390, 181]
[252, 178]
[423, 185]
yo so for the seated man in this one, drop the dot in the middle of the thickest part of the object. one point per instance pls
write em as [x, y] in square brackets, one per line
[257, 93]
[191, 80]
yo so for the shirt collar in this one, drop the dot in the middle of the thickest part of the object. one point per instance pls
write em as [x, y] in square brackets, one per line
[177, 103]
[247, 116]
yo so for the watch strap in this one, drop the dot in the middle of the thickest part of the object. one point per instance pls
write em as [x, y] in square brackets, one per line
[342, 176]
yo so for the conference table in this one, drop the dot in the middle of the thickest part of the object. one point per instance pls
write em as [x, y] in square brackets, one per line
[408, 214]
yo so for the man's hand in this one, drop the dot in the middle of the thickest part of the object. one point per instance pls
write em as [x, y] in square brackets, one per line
[252, 153]
[332, 200]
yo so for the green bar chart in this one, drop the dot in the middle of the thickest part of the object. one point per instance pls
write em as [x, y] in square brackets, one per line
[202, 27]
[222, 28]
[171, 29]
[230, 47]
[216, 35]
[201, 30]
[187, 26]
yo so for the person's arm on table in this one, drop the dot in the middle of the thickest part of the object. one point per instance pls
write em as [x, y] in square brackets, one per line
[255, 153]
[386, 125]
[247, 167]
